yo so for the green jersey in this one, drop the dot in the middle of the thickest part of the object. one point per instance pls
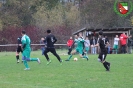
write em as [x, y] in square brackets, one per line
[26, 51]
[80, 43]
[26, 40]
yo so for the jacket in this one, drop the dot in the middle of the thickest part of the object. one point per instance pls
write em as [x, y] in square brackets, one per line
[123, 39]
[69, 42]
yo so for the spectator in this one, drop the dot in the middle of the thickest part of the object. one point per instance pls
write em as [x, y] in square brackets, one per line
[42, 41]
[87, 45]
[107, 41]
[116, 42]
[93, 42]
[123, 42]
[69, 44]
[130, 42]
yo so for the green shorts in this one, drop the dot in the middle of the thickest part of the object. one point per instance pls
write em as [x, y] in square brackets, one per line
[79, 50]
[26, 53]
[115, 46]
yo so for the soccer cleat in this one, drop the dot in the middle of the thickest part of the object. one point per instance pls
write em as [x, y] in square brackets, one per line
[48, 62]
[87, 58]
[61, 62]
[17, 61]
[27, 69]
[38, 60]
[67, 60]
[107, 70]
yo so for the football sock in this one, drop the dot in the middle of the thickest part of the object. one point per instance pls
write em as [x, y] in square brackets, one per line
[105, 65]
[33, 59]
[70, 57]
[26, 64]
[17, 57]
[85, 57]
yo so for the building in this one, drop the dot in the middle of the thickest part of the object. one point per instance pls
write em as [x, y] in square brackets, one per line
[110, 32]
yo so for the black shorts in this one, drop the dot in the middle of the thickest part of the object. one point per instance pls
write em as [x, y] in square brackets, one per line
[19, 49]
[102, 56]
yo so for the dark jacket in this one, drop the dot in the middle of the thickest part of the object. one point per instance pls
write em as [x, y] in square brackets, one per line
[92, 42]
[130, 42]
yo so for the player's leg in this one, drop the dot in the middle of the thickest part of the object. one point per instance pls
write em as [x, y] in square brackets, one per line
[81, 56]
[116, 48]
[46, 56]
[101, 58]
[17, 53]
[53, 51]
[17, 56]
[72, 53]
[25, 63]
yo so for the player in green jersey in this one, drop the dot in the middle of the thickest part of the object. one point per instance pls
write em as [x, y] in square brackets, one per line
[26, 50]
[79, 48]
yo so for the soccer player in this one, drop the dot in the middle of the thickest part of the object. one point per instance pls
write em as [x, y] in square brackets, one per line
[103, 53]
[79, 48]
[51, 39]
[26, 50]
[18, 49]
[116, 42]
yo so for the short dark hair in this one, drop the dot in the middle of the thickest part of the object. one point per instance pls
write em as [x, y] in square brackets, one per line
[100, 33]
[23, 32]
[48, 31]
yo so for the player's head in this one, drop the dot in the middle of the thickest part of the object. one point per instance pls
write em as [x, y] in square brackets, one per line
[23, 32]
[48, 31]
[80, 34]
[100, 33]
[76, 36]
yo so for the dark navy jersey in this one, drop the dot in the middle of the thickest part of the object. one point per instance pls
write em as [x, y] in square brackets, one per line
[19, 40]
[50, 39]
[102, 44]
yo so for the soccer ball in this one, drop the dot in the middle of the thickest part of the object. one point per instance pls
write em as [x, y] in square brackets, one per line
[75, 59]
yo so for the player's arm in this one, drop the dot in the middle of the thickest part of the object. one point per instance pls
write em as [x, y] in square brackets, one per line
[55, 40]
[96, 45]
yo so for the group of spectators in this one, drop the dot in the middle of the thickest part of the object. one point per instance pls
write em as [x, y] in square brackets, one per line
[125, 42]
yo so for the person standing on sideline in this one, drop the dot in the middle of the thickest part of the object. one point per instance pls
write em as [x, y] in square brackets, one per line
[103, 53]
[107, 41]
[42, 41]
[116, 42]
[79, 48]
[130, 44]
[51, 39]
[18, 49]
[87, 45]
[123, 42]
[93, 42]
[26, 50]
[69, 44]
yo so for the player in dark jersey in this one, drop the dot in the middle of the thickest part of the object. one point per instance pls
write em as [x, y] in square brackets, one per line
[103, 52]
[50, 39]
[19, 49]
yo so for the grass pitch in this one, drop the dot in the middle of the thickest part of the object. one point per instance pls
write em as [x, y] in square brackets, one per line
[72, 74]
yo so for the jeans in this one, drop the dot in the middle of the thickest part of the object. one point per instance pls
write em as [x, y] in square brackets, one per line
[123, 48]
[108, 49]
[42, 48]
[94, 50]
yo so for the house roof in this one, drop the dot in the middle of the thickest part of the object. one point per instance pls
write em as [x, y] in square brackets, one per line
[105, 29]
